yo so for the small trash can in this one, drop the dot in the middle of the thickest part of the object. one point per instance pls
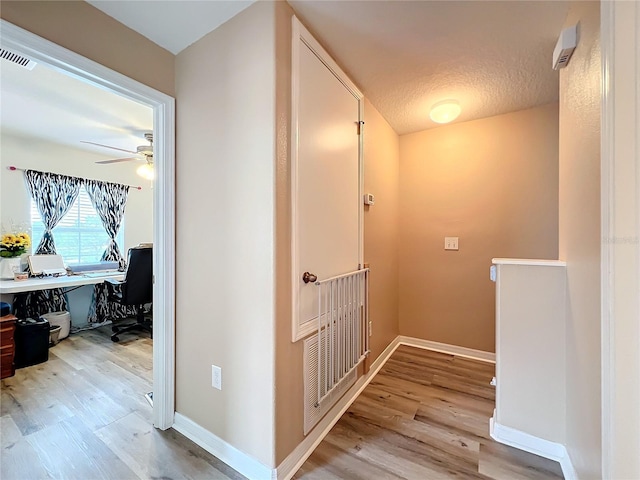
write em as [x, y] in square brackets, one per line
[54, 334]
[32, 342]
[62, 319]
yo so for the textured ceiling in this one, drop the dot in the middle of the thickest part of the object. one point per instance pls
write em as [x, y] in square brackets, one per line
[493, 57]
[174, 25]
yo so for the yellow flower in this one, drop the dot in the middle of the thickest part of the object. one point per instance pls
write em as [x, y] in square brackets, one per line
[14, 243]
[26, 240]
[8, 238]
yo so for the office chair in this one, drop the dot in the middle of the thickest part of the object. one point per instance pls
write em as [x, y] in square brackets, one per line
[136, 289]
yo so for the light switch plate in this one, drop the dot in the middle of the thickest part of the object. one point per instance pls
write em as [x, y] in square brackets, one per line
[451, 243]
[216, 377]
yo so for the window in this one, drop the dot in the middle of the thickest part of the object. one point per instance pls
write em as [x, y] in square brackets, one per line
[79, 237]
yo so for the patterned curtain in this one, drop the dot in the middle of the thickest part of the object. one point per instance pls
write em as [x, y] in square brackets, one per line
[54, 195]
[109, 200]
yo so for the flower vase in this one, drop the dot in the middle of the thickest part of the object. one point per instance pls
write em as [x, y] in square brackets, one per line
[8, 266]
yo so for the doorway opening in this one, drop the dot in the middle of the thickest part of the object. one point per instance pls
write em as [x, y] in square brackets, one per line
[64, 61]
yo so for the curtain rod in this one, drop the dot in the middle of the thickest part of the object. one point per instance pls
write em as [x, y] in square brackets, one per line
[14, 168]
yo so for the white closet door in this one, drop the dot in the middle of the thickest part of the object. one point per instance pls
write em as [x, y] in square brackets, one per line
[328, 204]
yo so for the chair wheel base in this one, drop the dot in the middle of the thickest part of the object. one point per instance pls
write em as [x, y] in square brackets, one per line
[114, 338]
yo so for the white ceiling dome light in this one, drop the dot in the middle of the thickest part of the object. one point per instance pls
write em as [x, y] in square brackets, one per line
[445, 111]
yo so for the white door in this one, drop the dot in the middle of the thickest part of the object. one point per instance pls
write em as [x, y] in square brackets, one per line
[326, 178]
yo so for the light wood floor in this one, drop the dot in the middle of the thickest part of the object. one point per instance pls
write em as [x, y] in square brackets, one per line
[82, 415]
[425, 415]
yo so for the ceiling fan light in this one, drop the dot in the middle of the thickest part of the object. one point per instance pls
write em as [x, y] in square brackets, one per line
[146, 171]
[145, 149]
[445, 111]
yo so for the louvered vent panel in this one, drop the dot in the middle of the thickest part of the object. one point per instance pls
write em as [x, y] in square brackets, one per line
[313, 413]
[17, 59]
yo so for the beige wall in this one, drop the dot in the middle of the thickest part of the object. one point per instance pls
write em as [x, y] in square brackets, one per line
[493, 183]
[580, 237]
[289, 356]
[381, 153]
[225, 86]
[381, 234]
[84, 29]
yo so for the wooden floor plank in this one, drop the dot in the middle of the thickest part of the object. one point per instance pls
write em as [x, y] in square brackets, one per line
[455, 417]
[438, 462]
[10, 432]
[381, 453]
[345, 465]
[127, 387]
[312, 470]
[506, 463]
[464, 449]
[30, 397]
[132, 438]
[430, 393]
[18, 457]
[425, 415]
[407, 406]
[71, 451]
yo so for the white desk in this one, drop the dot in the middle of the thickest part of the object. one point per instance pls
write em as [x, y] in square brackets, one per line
[33, 284]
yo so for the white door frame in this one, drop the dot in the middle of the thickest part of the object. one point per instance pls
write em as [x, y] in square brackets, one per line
[43, 51]
[620, 223]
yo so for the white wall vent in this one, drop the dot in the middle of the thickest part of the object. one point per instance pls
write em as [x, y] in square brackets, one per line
[564, 48]
[313, 413]
[17, 59]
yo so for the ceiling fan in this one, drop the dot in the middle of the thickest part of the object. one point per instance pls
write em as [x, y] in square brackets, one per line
[142, 151]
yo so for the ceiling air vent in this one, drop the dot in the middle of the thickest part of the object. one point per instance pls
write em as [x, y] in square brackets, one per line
[17, 59]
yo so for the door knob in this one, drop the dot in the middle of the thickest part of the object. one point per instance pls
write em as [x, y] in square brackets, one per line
[309, 277]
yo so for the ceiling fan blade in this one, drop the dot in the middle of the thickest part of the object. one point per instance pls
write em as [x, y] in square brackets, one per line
[108, 146]
[117, 160]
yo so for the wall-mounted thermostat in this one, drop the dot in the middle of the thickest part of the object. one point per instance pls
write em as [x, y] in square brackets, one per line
[369, 199]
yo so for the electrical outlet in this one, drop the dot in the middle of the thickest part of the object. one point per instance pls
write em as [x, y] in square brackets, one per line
[451, 243]
[216, 377]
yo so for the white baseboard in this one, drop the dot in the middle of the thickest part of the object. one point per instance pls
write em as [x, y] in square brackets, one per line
[299, 455]
[537, 446]
[567, 467]
[240, 461]
[450, 349]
